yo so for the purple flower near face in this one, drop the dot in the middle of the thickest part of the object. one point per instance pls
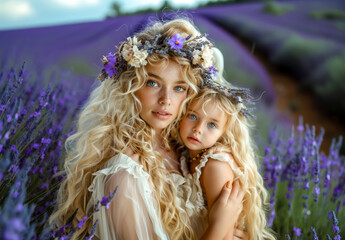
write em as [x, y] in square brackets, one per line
[110, 65]
[297, 231]
[176, 42]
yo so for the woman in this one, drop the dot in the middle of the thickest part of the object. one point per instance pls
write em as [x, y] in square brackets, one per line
[122, 141]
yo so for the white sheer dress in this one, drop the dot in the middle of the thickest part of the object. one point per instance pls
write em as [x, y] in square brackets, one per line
[134, 212]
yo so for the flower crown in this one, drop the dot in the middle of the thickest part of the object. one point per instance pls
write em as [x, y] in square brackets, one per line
[198, 50]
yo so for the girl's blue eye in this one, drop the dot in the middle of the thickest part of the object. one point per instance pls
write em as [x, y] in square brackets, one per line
[192, 116]
[180, 89]
[212, 125]
[151, 83]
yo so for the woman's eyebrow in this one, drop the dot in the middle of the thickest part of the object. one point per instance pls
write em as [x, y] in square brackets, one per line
[155, 76]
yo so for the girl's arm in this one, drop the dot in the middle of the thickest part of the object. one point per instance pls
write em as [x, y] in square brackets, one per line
[214, 175]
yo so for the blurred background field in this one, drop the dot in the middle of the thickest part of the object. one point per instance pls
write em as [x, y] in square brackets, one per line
[290, 53]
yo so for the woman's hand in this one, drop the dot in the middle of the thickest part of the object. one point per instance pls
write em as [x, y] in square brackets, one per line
[225, 211]
[240, 235]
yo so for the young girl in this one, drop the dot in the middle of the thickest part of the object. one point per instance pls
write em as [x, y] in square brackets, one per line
[122, 141]
[215, 117]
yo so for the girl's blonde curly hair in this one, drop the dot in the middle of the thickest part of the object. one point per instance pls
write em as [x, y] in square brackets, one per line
[238, 139]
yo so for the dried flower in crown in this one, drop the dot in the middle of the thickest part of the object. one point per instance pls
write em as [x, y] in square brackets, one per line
[198, 50]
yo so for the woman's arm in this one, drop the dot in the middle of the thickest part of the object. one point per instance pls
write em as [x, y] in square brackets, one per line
[221, 213]
[214, 175]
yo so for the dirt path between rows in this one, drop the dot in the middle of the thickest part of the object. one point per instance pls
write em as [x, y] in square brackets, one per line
[291, 101]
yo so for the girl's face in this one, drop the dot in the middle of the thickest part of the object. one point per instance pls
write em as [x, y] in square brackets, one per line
[162, 95]
[201, 128]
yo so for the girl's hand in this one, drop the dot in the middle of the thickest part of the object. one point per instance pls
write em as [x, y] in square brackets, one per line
[225, 210]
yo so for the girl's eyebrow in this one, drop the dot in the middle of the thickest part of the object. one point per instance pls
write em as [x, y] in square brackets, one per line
[214, 120]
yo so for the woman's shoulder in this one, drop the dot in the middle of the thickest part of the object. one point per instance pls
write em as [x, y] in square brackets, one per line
[123, 162]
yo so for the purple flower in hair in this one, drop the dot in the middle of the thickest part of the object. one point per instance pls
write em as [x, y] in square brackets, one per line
[176, 42]
[110, 65]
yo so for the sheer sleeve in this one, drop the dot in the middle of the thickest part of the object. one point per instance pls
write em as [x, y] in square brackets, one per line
[133, 213]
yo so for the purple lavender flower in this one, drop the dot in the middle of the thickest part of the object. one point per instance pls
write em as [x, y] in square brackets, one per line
[105, 202]
[176, 42]
[337, 237]
[315, 237]
[297, 231]
[81, 223]
[110, 65]
[213, 71]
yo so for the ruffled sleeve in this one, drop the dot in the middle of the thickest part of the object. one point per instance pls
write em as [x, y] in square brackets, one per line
[223, 157]
[133, 213]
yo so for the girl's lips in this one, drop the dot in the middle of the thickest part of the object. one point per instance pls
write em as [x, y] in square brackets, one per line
[162, 115]
[193, 140]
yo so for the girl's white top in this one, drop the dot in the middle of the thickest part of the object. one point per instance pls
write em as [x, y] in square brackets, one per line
[194, 198]
[134, 213]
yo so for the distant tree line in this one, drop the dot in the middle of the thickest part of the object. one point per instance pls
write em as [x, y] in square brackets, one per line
[116, 10]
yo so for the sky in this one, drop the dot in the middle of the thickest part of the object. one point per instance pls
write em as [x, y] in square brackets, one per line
[16, 14]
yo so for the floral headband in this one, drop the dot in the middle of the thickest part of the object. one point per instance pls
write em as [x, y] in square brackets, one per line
[198, 50]
[132, 53]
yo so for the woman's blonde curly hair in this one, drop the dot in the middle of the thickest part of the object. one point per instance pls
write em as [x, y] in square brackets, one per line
[110, 123]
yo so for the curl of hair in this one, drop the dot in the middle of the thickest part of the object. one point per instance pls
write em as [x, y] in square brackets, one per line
[110, 123]
[237, 137]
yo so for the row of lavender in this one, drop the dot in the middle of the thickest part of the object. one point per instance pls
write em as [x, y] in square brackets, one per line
[312, 49]
[307, 187]
[36, 113]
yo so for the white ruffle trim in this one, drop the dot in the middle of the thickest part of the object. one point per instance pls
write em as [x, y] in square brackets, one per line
[117, 163]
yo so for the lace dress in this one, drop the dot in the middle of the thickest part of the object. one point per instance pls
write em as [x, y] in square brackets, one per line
[134, 212]
[194, 198]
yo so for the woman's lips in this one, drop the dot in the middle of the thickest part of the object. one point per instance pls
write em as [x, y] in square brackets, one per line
[162, 115]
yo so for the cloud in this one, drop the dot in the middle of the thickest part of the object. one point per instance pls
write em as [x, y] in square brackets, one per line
[77, 3]
[15, 9]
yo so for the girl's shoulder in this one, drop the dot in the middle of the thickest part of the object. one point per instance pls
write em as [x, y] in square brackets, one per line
[217, 163]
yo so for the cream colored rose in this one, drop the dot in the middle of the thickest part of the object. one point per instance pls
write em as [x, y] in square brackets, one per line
[139, 57]
[207, 56]
[127, 52]
[196, 57]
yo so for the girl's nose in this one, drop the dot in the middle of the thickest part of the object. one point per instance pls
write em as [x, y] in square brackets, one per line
[197, 129]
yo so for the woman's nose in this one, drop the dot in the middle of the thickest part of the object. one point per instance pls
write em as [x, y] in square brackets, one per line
[165, 98]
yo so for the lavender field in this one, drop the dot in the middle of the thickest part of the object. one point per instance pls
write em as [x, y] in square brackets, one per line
[47, 73]
[304, 38]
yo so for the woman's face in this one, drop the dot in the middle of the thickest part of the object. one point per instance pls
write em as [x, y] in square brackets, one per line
[162, 95]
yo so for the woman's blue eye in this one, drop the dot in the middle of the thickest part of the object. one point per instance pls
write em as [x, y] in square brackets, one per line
[192, 116]
[180, 89]
[151, 83]
[212, 125]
